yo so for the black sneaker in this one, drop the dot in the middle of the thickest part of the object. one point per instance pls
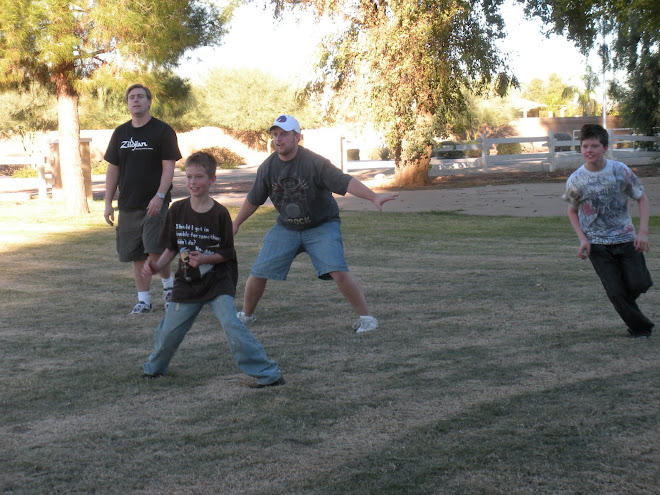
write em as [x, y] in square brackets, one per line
[276, 383]
[635, 335]
[150, 376]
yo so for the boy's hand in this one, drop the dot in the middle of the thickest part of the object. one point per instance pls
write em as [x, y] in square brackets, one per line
[195, 258]
[584, 250]
[642, 242]
[148, 269]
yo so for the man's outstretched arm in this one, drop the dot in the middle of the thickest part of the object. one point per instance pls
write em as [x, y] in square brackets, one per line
[357, 188]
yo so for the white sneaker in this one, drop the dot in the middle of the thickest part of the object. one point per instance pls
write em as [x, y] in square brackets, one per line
[245, 318]
[167, 297]
[365, 324]
[142, 307]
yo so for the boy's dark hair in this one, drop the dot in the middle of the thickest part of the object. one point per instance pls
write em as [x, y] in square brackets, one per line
[589, 131]
[135, 86]
[205, 160]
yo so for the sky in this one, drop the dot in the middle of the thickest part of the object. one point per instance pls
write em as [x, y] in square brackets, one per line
[255, 40]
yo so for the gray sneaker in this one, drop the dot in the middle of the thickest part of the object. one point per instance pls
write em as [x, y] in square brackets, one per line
[245, 318]
[142, 307]
[365, 324]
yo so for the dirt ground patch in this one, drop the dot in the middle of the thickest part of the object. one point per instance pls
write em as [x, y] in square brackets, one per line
[506, 178]
[225, 184]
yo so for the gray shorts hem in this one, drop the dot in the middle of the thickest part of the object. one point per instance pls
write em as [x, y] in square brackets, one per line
[267, 276]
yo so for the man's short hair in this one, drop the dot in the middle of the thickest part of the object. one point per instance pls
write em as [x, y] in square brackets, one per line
[140, 86]
[589, 131]
[205, 160]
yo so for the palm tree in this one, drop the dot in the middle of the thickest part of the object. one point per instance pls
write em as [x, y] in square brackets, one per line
[584, 96]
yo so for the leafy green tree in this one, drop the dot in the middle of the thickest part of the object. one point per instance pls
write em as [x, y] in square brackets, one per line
[585, 96]
[489, 116]
[103, 105]
[551, 92]
[62, 44]
[633, 26]
[404, 66]
[244, 102]
[26, 114]
[640, 101]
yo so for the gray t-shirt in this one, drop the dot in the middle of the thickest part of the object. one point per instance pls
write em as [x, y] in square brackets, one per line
[601, 199]
[300, 189]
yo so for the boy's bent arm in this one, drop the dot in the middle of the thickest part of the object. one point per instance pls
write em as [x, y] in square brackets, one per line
[641, 240]
[247, 209]
[196, 259]
[585, 246]
[150, 268]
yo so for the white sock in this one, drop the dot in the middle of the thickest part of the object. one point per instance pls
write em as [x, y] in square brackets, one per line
[168, 283]
[144, 296]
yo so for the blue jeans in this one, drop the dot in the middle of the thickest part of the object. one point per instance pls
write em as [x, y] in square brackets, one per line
[323, 244]
[624, 275]
[247, 351]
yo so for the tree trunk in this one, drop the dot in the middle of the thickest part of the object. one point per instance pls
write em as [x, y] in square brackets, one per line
[412, 172]
[73, 182]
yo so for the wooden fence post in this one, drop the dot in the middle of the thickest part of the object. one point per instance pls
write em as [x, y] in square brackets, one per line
[484, 152]
[552, 165]
[610, 149]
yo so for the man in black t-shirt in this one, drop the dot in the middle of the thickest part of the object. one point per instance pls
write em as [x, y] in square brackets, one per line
[300, 184]
[141, 157]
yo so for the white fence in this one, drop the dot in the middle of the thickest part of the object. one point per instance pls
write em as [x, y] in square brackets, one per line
[553, 158]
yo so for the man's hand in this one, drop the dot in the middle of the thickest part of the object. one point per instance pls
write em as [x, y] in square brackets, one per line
[379, 199]
[642, 242]
[154, 206]
[234, 228]
[584, 250]
[109, 215]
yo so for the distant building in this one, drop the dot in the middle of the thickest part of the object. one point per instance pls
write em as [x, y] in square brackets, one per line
[528, 108]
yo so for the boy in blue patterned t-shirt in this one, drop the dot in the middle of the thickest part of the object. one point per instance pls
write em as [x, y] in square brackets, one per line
[598, 195]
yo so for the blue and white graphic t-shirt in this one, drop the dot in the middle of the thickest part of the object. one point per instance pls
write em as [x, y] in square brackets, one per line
[601, 199]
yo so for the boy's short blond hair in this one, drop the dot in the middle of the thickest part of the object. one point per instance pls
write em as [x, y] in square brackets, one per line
[205, 160]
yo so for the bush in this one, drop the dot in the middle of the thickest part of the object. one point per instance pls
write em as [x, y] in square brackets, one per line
[448, 153]
[378, 154]
[353, 155]
[99, 167]
[24, 172]
[475, 153]
[624, 145]
[226, 158]
[562, 136]
[509, 149]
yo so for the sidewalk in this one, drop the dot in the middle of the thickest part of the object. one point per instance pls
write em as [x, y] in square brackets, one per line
[520, 200]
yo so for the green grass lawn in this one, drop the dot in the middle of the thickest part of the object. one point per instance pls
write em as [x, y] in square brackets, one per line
[500, 367]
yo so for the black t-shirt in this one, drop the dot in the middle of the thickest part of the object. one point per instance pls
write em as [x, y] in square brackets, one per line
[209, 233]
[300, 189]
[139, 153]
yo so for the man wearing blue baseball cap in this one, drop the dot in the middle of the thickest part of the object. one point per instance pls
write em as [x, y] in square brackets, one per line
[300, 184]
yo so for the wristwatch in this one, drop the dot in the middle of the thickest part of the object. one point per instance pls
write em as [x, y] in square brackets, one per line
[160, 195]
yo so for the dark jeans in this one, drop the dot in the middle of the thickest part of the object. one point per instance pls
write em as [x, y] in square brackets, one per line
[623, 272]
